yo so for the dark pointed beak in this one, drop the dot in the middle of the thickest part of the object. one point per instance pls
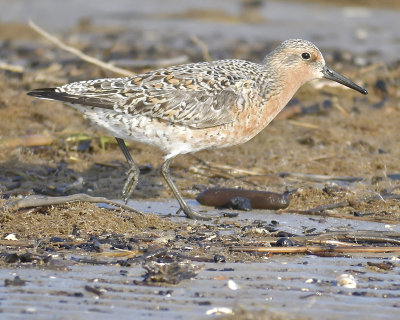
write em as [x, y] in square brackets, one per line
[333, 75]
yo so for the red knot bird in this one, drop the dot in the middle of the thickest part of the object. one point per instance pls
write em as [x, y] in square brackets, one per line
[187, 108]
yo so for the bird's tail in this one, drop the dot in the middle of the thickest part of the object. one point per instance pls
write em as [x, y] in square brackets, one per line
[53, 94]
[44, 93]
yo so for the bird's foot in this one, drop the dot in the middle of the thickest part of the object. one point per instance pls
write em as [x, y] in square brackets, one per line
[130, 183]
[191, 214]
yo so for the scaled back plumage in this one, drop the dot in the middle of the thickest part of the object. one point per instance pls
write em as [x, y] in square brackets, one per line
[198, 95]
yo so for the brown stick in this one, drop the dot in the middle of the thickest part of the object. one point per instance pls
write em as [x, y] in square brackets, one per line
[203, 46]
[16, 243]
[303, 124]
[11, 67]
[318, 177]
[316, 249]
[39, 201]
[79, 53]
[337, 238]
[319, 208]
[31, 140]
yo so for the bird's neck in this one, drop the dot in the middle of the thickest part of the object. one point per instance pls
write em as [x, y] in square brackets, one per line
[277, 88]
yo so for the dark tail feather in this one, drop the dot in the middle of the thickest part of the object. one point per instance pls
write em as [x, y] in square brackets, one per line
[52, 94]
[49, 93]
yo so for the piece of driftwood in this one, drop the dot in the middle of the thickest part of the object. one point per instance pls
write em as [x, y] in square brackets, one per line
[318, 177]
[39, 201]
[220, 197]
[316, 249]
[203, 47]
[78, 53]
[30, 140]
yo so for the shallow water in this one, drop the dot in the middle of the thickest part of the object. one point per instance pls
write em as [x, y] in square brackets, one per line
[293, 223]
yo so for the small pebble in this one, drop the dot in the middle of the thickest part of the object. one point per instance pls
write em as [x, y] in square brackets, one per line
[230, 214]
[97, 246]
[11, 258]
[94, 290]
[284, 242]
[219, 258]
[30, 310]
[219, 310]
[274, 223]
[381, 85]
[26, 257]
[11, 237]
[308, 231]
[17, 281]
[385, 265]
[232, 285]
[346, 280]
[239, 203]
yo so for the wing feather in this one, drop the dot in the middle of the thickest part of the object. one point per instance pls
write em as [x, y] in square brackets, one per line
[198, 95]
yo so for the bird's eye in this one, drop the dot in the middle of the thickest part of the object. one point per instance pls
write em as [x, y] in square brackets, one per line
[305, 55]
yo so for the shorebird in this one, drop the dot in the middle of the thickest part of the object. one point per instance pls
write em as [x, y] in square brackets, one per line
[191, 107]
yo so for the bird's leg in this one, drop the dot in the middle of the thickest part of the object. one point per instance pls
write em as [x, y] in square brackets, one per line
[190, 213]
[133, 172]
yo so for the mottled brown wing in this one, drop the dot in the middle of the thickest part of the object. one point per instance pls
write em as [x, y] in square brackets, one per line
[198, 95]
[197, 109]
